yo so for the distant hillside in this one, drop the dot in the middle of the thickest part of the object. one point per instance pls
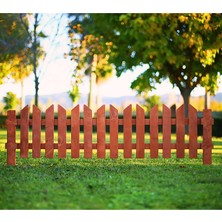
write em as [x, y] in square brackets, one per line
[64, 100]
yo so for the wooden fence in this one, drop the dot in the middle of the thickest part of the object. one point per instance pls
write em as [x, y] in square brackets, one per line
[24, 125]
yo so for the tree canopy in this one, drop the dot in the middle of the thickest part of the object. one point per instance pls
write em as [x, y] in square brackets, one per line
[91, 54]
[14, 45]
[186, 48]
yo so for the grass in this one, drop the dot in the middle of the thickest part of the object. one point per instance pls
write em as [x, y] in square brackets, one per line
[111, 183]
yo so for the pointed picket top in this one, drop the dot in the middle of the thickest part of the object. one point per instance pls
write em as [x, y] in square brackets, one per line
[113, 112]
[154, 109]
[61, 108]
[128, 108]
[192, 108]
[164, 107]
[101, 110]
[181, 109]
[77, 107]
[87, 109]
[25, 109]
[50, 109]
[36, 108]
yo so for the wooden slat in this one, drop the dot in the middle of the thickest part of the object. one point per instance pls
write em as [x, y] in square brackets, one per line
[180, 132]
[140, 132]
[192, 132]
[166, 132]
[101, 132]
[127, 131]
[36, 132]
[24, 136]
[49, 132]
[154, 132]
[61, 132]
[113, 132]
[87, 132]
[75, 130]
[207, 136]
[11, 137]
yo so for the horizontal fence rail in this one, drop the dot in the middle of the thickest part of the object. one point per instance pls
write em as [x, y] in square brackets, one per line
[24, 124]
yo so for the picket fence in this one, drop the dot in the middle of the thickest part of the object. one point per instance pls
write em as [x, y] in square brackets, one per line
[24, 125]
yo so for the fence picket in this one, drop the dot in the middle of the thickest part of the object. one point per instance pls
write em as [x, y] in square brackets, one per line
[154, 132]
[180, 132]
[11, 137]
[75, 130]
[61, 132]
[87, 132]
[127, 131]
[24, 136]
[207, 136]
[166, 132]
[140, 132]
[36, 132]
[113, 132]
[49, 132]
[101, 132]
[192, 132]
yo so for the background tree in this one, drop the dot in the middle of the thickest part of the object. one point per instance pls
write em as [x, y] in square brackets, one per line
[14, 44]
[11, 101]
[182, 47]
[91, 54]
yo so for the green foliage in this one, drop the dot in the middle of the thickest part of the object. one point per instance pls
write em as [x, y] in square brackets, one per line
[11, 101]
[14, 46]
[74, 93]
[186, 48]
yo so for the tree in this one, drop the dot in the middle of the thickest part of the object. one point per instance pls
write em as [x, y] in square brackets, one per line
[19, 68]
[36, 32]
[14, 43]
[186, 48]
[11, 101]
[91, 54]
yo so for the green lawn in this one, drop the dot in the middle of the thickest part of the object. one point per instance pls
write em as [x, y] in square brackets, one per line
[111, 183]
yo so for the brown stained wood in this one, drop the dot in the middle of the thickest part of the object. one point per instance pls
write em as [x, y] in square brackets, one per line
[36, 132]
[154, 132]
[11, 137]
[113, 132]
[49, 132]
[180, 132]
[61, 132]
[101, 132]
[87, 132]
[140, 132]
[207, 136]
[193, 145]
[75, 130]
[166, 132]
[24, 136]
[127, 131]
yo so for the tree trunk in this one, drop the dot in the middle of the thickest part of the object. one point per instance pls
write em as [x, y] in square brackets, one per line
[22, 100]
[207, 100]
[34, 48]
[186, 98]
[91, 99]
[98, 97]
